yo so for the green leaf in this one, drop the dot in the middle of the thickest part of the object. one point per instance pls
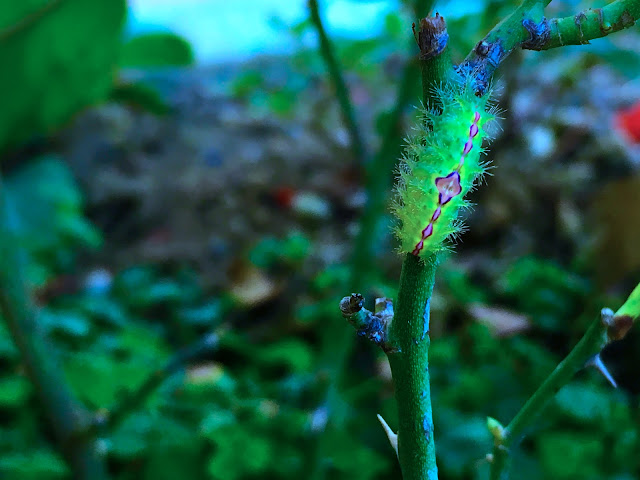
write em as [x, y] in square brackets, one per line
[584, 403]
[45, 214]
[70, 322]
[241, 453]
[99, 379]
[140, 95]
[7, 347]
[294, 354]
[160, 49]
[14, 391]
[570, 456]
[33, 465]
[72, 48]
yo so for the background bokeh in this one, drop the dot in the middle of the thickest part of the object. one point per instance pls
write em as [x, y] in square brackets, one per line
[177, 168]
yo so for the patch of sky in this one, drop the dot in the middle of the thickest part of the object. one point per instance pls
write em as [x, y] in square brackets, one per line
[235, 30]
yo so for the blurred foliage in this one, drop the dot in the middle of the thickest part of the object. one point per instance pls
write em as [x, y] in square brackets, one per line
[156, 50]
[72, 48]
[258, 406]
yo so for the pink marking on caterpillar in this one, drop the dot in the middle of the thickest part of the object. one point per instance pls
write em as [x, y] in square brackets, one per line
[428, 230]
[449, 186]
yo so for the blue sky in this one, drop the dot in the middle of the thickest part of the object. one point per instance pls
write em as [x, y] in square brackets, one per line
[221, 30]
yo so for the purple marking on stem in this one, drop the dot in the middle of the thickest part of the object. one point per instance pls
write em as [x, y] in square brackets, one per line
[448, 187]
[473, 130]
[476, 118]
[467, 147]
[436, 214]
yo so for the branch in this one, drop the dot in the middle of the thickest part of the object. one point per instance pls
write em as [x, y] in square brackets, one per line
[379, 174]
[604, 330]
[528, 29]
[405, 337]
[66, 414]
[505, 37]
[409, 333]
[134, 400]
[584, 26]
[342, 92]
[373, 326]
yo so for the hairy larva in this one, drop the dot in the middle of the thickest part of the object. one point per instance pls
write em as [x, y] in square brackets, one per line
[441, 164]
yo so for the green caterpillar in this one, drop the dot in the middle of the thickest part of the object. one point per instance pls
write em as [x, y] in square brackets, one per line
[441, 163]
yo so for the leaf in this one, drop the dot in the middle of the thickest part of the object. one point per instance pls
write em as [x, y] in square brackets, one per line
[14, 391]
[161, 49]
[100, 379]
[290, 353]
[570, 455]
[72, 48]
[46, 215]
[70, 322]
[32, 465]
[586, 404]
[140, 95]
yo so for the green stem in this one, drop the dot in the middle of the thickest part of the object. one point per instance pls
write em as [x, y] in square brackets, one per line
[591, 24]
[342, 92]
[509, 34]
[379, 173]
[66, 414]
[529, 29]
[409, 334]
[378, 179]
[379, 176]
[607, 328]
[591, 343]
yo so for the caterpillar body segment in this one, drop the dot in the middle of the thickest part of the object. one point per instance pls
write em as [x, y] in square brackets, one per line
[441, 164]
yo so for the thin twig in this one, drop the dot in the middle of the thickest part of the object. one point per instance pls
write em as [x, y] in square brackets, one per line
[342, 92]
[67, 415]
[607, 328]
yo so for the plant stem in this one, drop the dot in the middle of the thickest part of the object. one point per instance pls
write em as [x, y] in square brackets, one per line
[134, 400]
[509, 34]
[604, 330]
[588, 25]
[409, 333]
[342, 92]
[66, 414]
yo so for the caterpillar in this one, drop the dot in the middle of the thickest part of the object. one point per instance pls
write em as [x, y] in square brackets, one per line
[441, 163]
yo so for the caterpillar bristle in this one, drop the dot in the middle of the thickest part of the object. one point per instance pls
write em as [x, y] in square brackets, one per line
[440, 165]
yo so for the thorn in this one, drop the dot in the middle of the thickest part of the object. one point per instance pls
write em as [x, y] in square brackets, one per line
[596, 362]
[393, 438]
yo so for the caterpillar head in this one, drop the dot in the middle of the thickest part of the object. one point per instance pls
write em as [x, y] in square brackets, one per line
[442, 162]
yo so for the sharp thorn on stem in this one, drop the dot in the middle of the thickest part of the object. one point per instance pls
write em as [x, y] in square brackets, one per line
[599, 365]
[393, 438]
